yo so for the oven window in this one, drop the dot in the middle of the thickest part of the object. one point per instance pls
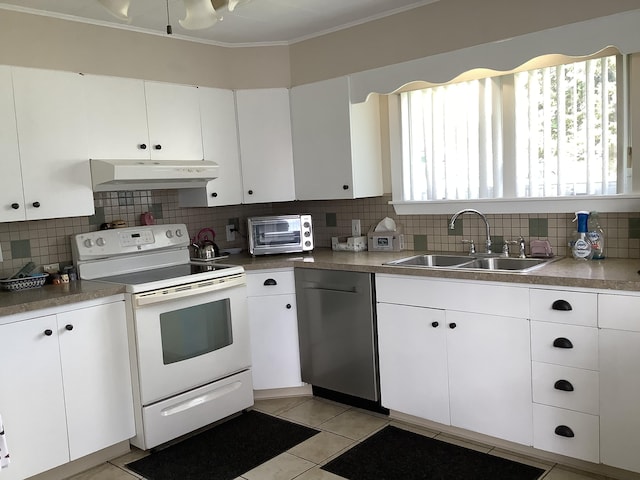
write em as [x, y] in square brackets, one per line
[282, 232]
[197, 330]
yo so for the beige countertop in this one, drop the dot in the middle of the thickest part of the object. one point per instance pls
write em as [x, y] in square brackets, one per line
[609, 274]
[54, 295]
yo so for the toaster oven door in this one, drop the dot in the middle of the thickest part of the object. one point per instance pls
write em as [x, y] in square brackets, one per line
[275, 235]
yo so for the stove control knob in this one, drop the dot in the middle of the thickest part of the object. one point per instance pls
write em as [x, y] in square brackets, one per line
[169, 234]
[178, 233]
[100, 242]
[88, 243]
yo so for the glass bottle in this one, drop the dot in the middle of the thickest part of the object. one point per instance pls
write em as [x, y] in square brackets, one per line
[596, 236]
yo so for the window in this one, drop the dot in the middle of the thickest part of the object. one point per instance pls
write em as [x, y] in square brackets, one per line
[546, 132]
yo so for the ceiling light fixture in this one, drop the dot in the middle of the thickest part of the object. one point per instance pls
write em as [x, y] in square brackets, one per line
[200, 14]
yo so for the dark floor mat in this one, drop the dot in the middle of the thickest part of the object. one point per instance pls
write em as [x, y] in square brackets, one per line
[396, 454]
[225, 451]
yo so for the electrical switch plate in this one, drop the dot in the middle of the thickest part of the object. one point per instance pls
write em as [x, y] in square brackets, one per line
[231, 233]
[355, 228]
[51, 268]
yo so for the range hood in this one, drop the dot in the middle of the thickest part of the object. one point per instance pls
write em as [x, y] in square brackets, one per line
[112, 175]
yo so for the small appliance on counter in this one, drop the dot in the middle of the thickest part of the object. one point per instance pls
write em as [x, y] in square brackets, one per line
[349, 244]
[280, 234]
[386, 236]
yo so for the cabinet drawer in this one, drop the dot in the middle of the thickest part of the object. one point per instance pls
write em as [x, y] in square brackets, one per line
[566, 387]
[472, 297]
[568, 345]
[561, 306]
[270, 282]
[620, 312]
[551, 425]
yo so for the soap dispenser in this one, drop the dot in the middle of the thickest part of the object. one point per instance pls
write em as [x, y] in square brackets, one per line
[582, 248]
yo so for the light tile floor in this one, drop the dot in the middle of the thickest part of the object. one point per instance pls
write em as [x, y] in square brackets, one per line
[341, 427]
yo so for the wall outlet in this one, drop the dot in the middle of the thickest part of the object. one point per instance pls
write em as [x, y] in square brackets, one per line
[356, 230]
[231, 233]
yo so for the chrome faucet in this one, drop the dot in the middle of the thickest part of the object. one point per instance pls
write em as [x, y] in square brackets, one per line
[484, 219]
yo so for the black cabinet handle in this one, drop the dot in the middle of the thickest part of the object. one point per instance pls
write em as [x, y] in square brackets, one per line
[270, 282]
[434, 324]
[452, 325]
[345, 187]
[69, 327]
[158, 147]
[48, 332]
[142, 146]
[564, 431]
[36, 204]
[288, 306]
[250, 192]
[214, 194]
[562, 342]
[564, 385]
[561, 305]
[15, 206]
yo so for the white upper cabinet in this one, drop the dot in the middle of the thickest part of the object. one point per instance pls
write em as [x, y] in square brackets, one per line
[132, 119]
[173, 113]
[220, 145]
[52, 139]
[117, 116]
[336, 145]
[264, 127]
[11, 193]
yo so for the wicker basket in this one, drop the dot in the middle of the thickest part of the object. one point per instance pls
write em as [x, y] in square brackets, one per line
[16, 284]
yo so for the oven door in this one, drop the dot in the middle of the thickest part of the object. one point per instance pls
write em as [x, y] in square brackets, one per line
[190, 335]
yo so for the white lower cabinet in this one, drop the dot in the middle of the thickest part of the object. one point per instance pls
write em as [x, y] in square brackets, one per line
[412, 349]
[275, 354]
[471, 370]
[66, 386]
[619, 320]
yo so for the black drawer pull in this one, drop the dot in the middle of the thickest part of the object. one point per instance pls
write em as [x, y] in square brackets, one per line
[69, 327]
[434, 324]
[562, 342]
[288, 305]
[564, 431]
[48, 332]
[269, 282]
[452, 325]
[561, 305]
[564, 385]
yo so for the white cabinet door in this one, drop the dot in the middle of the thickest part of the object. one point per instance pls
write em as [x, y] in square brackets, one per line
[52, 132]
[11, 193]
[275, 355]
[220, 144]
[264, 128]
[173, 115]
[31, 397]
[490, 375]
[620, 398]
[97, 379]
[413, 361]
[117, 117]
[336, 145]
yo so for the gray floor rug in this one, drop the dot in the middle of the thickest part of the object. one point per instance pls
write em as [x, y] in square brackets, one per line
[225, 451]
[396, 454]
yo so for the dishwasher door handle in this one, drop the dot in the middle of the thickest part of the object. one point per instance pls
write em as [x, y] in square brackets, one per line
[339, 290]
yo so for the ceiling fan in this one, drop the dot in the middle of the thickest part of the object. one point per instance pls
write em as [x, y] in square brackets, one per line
[199, 13]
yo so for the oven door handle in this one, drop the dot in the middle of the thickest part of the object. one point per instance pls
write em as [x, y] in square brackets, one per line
[190, 289]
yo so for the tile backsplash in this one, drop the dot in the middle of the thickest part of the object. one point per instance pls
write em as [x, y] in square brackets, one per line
[47, 241]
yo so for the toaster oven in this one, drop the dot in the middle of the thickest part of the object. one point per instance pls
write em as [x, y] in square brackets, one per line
[280, 234]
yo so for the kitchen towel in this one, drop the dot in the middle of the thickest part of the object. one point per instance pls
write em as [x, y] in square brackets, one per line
[4, 451]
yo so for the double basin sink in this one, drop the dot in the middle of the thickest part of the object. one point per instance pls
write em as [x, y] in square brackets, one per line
[491, 263]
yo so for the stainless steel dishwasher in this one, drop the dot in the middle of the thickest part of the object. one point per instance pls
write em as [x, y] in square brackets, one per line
[337, 332]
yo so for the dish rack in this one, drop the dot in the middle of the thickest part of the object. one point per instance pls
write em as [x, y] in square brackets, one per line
[16, 284]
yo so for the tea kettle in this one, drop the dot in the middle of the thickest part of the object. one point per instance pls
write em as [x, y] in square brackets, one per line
[205, 248]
